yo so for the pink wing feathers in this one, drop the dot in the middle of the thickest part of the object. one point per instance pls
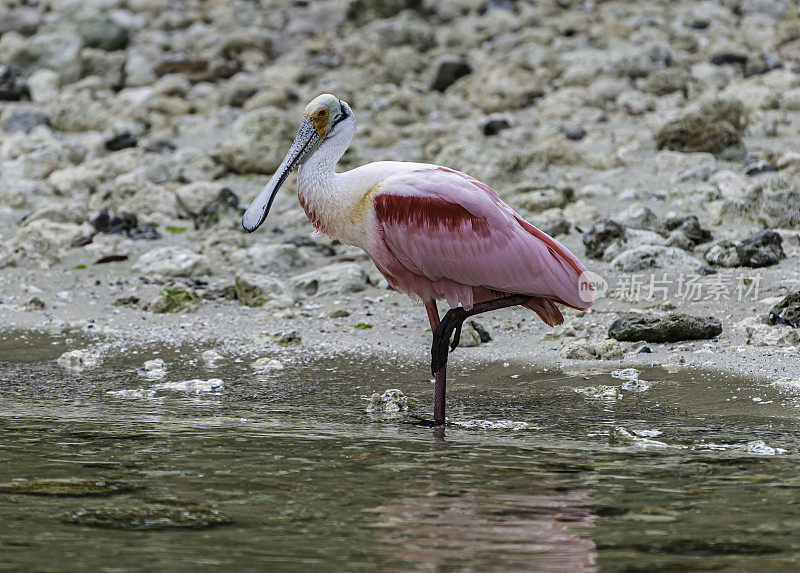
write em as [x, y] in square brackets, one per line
[456, 232]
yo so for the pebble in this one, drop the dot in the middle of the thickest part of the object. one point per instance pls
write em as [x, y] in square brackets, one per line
[78, 360]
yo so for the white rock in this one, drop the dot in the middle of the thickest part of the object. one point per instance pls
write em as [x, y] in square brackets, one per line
[42, 240]
[79, 360]
[194, 386]
[44, 85]
[256, 142]
[212, 358]
[173, 262]
[390, 402]
[153, 369]
[258, 290]
[267, 364]
[338, 278]
[646, 257]
[269, 258]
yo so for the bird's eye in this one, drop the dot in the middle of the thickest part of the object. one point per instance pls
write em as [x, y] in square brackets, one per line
[322, 114]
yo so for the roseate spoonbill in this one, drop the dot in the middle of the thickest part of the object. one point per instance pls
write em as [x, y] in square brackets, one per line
[433, 232]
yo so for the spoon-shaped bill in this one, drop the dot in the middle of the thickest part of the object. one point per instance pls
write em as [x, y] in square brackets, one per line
[305, 143]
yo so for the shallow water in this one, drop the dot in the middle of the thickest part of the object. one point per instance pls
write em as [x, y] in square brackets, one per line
[286, 472]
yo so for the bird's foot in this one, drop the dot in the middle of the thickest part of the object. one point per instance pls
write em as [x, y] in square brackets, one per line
[441, 346]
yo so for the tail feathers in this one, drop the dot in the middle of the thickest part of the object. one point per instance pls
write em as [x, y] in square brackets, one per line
[547, 311]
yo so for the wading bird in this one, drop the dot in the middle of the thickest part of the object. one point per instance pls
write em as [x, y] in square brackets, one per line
[433, 232]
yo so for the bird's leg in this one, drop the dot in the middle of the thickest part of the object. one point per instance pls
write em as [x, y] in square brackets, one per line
[442, 332]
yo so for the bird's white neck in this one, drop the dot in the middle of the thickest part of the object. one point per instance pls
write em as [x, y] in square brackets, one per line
[325, 200]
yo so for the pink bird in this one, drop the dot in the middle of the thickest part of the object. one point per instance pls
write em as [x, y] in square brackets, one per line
[432, 232]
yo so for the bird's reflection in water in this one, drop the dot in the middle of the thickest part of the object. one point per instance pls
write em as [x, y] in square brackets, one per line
[480, 530]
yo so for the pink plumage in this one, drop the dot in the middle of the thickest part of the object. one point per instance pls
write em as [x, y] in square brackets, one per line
[444, 234]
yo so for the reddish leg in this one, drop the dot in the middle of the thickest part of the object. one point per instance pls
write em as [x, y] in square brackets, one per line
[442, 331]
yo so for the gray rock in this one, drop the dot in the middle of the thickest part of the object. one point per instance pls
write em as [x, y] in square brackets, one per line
[258, 290]
[689, 226]
[12, 85]
[500, 87]
[723, 254]
[761, 250]
[172, 262]
[640, 217]
[645, 257]
[590, 349]
[672, 327]
[57, 51]
[269, 258]
[602, 234]
[42, 240]
[716, 126]
[338, 278]
[258, 140]
[103, 33]
[535, 199]
[667, 81]
[786, 311]
[224, 209]
[174, 299]
[773, 203]
[363, 11]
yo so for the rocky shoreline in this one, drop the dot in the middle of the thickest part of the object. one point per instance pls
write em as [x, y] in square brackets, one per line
[660, 142]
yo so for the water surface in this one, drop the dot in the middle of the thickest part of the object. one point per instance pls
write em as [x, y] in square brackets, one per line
[684, 471]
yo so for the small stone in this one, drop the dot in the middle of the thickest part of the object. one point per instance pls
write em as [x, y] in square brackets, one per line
[495, 125]
[180, 64]
[645, 257]
[225, 205]
[257, 290]
[786, 311]
[291, 338]
[212, 358]
[256, 141]
[761, 250]
[689, 225]
[173, 299]
[574, 132]
[672, 327]
[103, 33]
[338, 278]
[590, 349]
[126, 301]
[122, 141]
[716, 126]
[79, 360]
[12, 84]
[34, 303]
[173, 262]
[780, 336]
[107, 222]
[602, 234]
[391, 401]
[193, 386]
[339, 313]
[267, 365]
[448, 71]
[153, 369]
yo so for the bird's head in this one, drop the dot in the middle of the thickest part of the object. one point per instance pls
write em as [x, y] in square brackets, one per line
[320, 121]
